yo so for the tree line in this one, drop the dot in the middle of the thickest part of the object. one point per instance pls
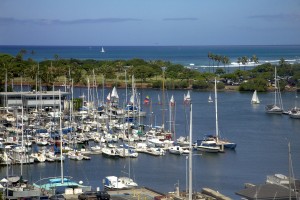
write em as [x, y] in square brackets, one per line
[147, 73]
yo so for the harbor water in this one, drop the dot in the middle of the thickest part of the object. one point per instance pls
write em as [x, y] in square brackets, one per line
[262, 145]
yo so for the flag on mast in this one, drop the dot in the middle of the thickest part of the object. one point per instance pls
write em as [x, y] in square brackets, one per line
[147, 100]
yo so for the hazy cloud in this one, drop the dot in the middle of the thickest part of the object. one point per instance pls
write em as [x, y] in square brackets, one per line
[284, 17]
[181, 19]
[65, 22]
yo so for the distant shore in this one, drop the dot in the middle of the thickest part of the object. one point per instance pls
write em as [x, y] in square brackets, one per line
[233, 88]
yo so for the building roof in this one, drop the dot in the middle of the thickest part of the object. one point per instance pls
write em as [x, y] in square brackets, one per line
[266, 191]
[33, 93]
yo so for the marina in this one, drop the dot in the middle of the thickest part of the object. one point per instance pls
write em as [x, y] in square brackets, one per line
[209, 170]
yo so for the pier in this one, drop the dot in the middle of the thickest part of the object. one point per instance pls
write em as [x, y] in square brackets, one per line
[144, 193]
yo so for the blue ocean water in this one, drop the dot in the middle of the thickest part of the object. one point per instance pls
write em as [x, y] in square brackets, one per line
[185, 55]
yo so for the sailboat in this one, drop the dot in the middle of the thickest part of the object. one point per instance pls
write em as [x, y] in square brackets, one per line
[255, 99]
[102, 50]
[216, 138]
[277, 107]
[210, 99]
[187, 98]
[158, 100]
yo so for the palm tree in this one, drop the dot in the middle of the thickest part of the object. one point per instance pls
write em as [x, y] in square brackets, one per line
[209, 58]
[218, 59]
[282, 62]
[239, 60]
[223, 60]
[254, 59]
[226, 62]
[245, 61]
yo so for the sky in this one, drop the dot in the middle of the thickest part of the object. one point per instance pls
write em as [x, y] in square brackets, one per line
[149, 22]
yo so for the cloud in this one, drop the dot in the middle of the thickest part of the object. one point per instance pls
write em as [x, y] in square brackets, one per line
[283, 17]
[65, 22]
[181, 19]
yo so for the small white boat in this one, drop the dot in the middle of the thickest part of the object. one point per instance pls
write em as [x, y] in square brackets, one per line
[102, 50]
[209, 146]
[123, 152]
[295, 114]
[110, 152]
[128, 182]
[39, 157]
[96, 149]
[255, 99]
[155, 151]
[187, 98]
[210, 99]
[75, 155]
[183, 141]
[176, 150]
[113, 182]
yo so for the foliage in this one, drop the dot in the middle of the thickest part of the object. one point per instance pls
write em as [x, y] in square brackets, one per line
[200, 84]
[157, 84]
[259, 84]
[57, 70]
[77, 103]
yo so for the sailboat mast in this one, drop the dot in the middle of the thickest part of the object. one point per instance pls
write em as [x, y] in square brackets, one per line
[126, 87]
[6, 101]
[289, 156]
[22, 137]
[170, 113]
[163, 98]
[88, 100]
[191, 155]
[275, 86]
[216, 107]
[61, 141]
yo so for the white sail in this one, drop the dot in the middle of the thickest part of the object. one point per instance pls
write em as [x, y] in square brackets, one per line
[114, 93]
[132, 100]
[102, 50]
[172, 101]
[108, 97]
[255, 99]
[210, 99]
[188, 96]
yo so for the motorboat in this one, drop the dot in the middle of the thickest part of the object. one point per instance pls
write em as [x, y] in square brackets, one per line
[176, 150]
[113, 183]
[209, 146]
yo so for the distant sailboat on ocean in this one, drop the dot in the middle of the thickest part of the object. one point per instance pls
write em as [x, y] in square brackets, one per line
[255, 99]
[102, 50]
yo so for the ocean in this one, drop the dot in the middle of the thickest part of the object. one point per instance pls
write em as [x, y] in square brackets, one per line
[193, 56]
[262, 139]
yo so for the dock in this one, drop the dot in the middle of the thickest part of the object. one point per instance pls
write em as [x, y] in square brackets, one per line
[141, 193]
[144, 193]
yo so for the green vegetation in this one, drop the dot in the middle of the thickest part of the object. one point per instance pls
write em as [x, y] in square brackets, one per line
[147, 73]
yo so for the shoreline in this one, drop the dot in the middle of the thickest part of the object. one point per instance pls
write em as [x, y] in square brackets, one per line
[230, 88]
